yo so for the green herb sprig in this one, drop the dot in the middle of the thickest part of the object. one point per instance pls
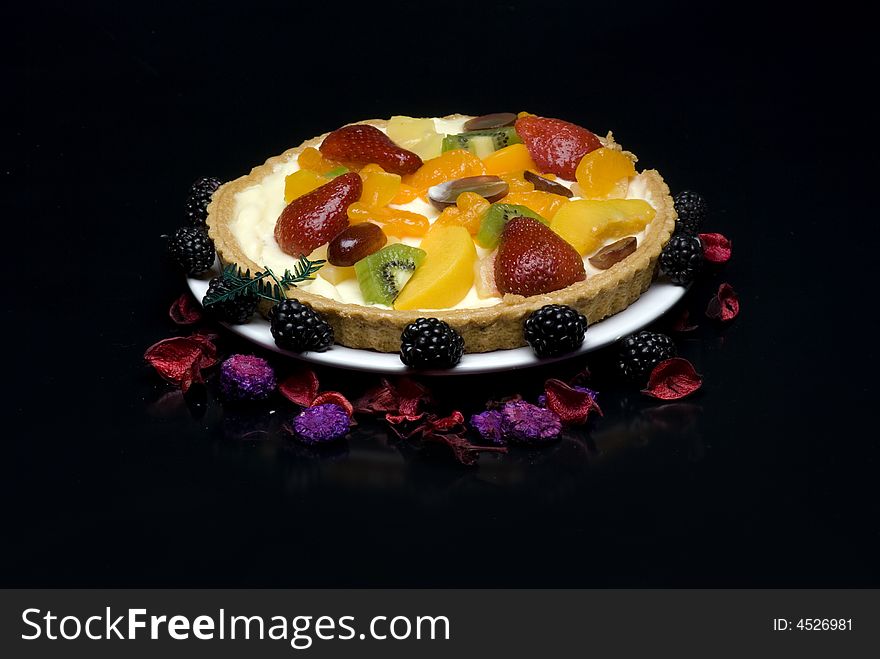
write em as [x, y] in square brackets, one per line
[265, 283]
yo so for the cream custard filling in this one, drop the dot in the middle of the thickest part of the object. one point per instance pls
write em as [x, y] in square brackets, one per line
[258, 207]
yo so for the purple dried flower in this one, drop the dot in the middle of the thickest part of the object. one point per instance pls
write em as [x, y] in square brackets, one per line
[488, 424]
[245, 377]
[321, 423]
[542, 399]
[527, 423]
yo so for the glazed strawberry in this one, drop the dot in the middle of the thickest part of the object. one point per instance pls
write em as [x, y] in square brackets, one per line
[532, 259]
[315, 218]
[363, 144]
[556, 146]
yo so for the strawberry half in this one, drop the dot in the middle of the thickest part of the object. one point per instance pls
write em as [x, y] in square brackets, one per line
[532, 259]
[362, 144]
[556, 146]
[315, 218]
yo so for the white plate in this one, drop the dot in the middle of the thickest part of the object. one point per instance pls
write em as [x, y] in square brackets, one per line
[653, 303]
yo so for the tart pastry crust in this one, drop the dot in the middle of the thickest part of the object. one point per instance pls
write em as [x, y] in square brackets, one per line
[484, 329]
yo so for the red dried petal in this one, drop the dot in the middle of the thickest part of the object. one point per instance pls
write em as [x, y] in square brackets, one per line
[411, 396]
[448, 430]
[452, 423]
[716, 247]
[570, 405]
[397, 419]
[406, 426]
[673, 379]
[301, 388]
[682, 323]
[381, 399]
[335, 398]
[185, 310]
[724, 305]
[462, 449]
[178, 360]
[407, 398]
[209, 349]
[409, 406]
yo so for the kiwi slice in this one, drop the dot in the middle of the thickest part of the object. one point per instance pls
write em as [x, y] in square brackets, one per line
[383, 274]
[494, 219]
[481, 145]
[501, 137]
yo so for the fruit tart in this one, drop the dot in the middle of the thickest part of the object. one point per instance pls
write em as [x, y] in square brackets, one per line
[475, 221]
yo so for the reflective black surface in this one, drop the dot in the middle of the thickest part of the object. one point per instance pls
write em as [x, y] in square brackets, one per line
[767, 477]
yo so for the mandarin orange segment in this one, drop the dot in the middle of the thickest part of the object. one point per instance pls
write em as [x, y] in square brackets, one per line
[471, 201]
[513, 158]
[406, 223]
[405, 194]
[472, 207]
[468, 212]
[619, 189]
[380, 187]
[600, 172]
[450, 216]
[311, 158]
[448, 166]
[544, 204]
[360, 212]
[470, 221]
[394, 221]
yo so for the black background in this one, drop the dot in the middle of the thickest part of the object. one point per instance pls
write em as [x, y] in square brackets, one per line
[767, 477]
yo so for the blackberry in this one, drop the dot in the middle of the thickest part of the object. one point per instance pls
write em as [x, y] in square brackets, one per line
[196, 207]
[298, 328]
[192, 249]
[640, 353]
[430, 343]
[554, 329]
[236, 310]
[692, 210]
[682, 258]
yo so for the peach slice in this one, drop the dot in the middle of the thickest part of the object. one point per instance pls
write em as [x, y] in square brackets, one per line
[513, 158]
[587, 223]
[447, 273]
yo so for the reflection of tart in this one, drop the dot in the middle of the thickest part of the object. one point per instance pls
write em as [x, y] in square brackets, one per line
[456, 278]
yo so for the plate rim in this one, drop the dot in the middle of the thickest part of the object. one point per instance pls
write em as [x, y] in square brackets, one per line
[658, 299]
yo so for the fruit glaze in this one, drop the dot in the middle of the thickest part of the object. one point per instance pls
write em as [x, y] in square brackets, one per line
[452, 213]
